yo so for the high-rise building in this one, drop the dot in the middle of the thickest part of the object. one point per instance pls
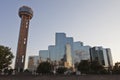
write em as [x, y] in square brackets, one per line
[109, 57]
[77, 44]
[69, 41]
[52, 53]
[61, 41]
[102, 55]
[66, 52]
[68, 56]
[105, 58]
[81, 52]
[97, 54]
[60, 45]
[44, 55]
[25, 14]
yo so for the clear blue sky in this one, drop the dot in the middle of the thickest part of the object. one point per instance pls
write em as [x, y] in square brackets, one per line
[94, 22]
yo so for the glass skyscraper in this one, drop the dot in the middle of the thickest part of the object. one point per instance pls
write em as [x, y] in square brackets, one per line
[103, 55]
[61, 41]
[81, 52]
[60, 45]
[52, 53]
[44, 55]
[66, 52]
[109, 57]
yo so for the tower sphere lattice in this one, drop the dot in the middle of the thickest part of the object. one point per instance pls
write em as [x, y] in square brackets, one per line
[25, 10]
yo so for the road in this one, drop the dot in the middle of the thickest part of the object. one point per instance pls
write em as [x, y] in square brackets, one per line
[61, 77]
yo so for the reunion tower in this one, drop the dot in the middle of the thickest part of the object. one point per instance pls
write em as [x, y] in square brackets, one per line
[25, 13]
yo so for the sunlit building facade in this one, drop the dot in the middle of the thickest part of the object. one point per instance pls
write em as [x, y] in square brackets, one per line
[61, 41]
[109, 57]
[68, 61]
[105, 58]
[69, 42]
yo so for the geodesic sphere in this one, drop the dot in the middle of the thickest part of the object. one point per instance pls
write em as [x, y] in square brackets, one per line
[25, 10]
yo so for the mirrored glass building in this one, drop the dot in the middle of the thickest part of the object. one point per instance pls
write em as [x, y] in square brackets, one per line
[67, 53]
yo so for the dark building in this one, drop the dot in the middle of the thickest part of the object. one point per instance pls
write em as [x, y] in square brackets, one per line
[97, 55]
[102, 55]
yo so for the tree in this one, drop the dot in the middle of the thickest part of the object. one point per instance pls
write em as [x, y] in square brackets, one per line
[44, 68]
[6, 57]
[96, 67]
[116, 68]
[84, 66]
[61, 70]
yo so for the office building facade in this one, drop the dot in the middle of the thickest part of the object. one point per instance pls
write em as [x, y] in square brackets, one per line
[61, 41]
[68, 56]
[66, 52]
[81, 52]
[109, 57]
[43, 55]
[52, 53]
[102, 55]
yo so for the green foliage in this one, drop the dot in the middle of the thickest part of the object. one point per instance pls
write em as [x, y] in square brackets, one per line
[116, 68]
[61, 70]
[10, 71]
[44, 68]
[94, 67]
[6, 57]
[26, 70]
[84, 66]
[104, 71]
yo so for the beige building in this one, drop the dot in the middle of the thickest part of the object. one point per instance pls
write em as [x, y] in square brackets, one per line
[33, 63]
[68, 62]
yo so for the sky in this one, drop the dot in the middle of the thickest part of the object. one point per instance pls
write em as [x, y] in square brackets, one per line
[94, 22]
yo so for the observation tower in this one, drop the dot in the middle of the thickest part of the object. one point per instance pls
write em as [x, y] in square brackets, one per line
[26, 14]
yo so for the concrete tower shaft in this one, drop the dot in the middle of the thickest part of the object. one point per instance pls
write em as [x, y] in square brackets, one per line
[25, 14]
